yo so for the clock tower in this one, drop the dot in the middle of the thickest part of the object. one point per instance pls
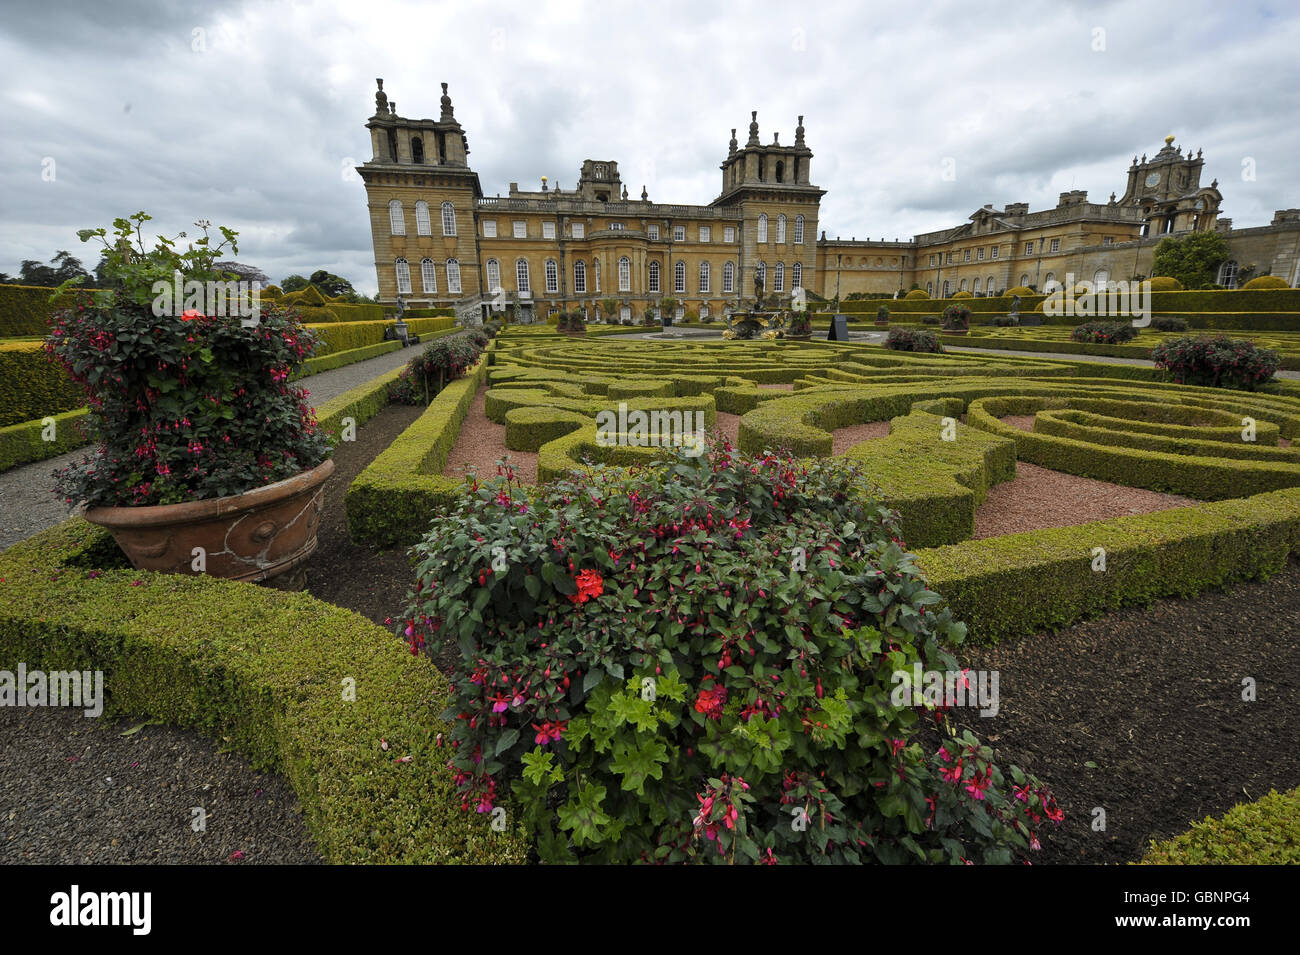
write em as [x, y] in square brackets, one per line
[1167, 189]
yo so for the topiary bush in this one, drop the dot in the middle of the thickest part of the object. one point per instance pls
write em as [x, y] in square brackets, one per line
[698, 662]
[963, 294]
[1020, 290]
[1221, 362]
[1104, 333]
[915, 294]
[913, 339]
[1169, 323]
[1165, 283]
[1265, 281]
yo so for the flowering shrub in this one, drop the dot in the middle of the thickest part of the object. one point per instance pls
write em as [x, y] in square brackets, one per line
[957, 317]
[183, 406]
[442, 361]
[694, 662]
[799, 324]
[1220, 361]
[882, 313]
[571, 322]
[1104, 333]
[912, 339]
[1169, 323]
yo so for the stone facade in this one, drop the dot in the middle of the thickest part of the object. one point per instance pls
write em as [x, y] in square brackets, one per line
[440, 242]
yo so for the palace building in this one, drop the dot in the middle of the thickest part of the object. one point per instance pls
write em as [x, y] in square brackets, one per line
[439, 241]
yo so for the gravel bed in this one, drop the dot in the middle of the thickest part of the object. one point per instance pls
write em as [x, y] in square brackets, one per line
[844, 438]
[27, 505]
[80, 791]
[482, 442]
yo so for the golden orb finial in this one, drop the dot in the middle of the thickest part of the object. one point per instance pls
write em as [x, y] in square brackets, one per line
[1169, 140]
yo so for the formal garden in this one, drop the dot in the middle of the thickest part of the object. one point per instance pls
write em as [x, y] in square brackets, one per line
[561, 594]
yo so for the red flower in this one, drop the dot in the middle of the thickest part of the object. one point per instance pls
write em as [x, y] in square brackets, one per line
[711, 700]
[191, 314]
[590, 584]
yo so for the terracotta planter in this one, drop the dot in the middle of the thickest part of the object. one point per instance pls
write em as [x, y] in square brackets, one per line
[955, 331]
[253, 536]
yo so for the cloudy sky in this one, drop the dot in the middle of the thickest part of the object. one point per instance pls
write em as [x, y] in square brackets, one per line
[251, 114]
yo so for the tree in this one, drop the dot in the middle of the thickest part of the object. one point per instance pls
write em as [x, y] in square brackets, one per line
[62, 267]
[331, 285]
[245, 273]
[294, 283]
[1193, 260]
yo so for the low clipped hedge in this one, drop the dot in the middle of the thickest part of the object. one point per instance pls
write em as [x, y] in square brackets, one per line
[25, 442]
[1024, 583]
[32, 385]
[530, 427]
[1264, 832]
[25, 310]
[263, 673]
[391, 501]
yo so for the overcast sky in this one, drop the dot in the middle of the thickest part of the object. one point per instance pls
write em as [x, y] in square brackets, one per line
[251, 114]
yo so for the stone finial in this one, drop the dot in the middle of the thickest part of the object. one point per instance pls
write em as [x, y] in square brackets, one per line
[731, 147]
[447, 114]
[1112, 198]
[381, 100]
[776, 139]
[1198, 152]
[625, 193]
[1214, 184]
[753, 129]
[798, 133]
[1144, 157]
[392, 106]
[645, 196]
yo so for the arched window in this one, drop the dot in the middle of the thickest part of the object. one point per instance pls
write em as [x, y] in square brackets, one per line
[679, 276]
[521, 276]
[780, 226]
[625, 274]
[798, 230]
[1024, 281]
[796, 276]
[704, 276]
[493, 276]
[963, 285]
[947, 286]
[760, 274]
[552, 276]
[1228, 274]
[976, 287]
[778, 280]
[595, 273]
[1049, 283]
[448, 219]
[1099, 280]
[579, 277]
[762, 227]
[929, 289]
[453, 276]
[396, 221]
[729, 277]
[989, 285]
[654, 276]
[417, 149]
[403, 277]
[422, 226]
[429, 276]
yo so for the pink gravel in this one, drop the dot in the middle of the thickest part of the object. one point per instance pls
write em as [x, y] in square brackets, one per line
[1038, 498]
[788, 386]
[482, 442]
[845, 438]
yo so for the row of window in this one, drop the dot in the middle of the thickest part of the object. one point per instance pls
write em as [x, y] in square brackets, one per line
[1029, 250]
[1099, 278]
[934, 259]
[423, 225]
[523, 278]
[780, 229]
[428, 276]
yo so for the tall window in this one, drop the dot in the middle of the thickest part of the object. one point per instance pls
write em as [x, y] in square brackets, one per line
[679, 233]
[994, 253]
[762, 227]
[729, 233]
[796, 276]
[962, 287]
[453, 276]
[989, 286]
[778, 279]
[1049, 283]
[1024, 280]
[579, 230]
[493, 275]
[422, 226]
[625, 274]
[980, 254]
[396, 221]
[579, 276]
[729, 276]
[965, 256]
[652, 231]
[1056, 245]
[520, 228]
[595, 273]
[548, 230]
[403, 277]
[552, 276]
[429, 276]
[798, 230]
[1228, 274]
[929, 288]
[521, 276]
[704, 276]
[489, 228]
[976, 287]
[947, 289]
[1029, 248]
[679, 276]
[1101, 277]
[448, 219]
[760, 274]
[654, 276]
[780, 228]
[706, 233]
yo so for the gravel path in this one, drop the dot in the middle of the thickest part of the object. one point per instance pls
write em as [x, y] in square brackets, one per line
[27, 506]
[78, 791]
[481, 443]
[1098, 359]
